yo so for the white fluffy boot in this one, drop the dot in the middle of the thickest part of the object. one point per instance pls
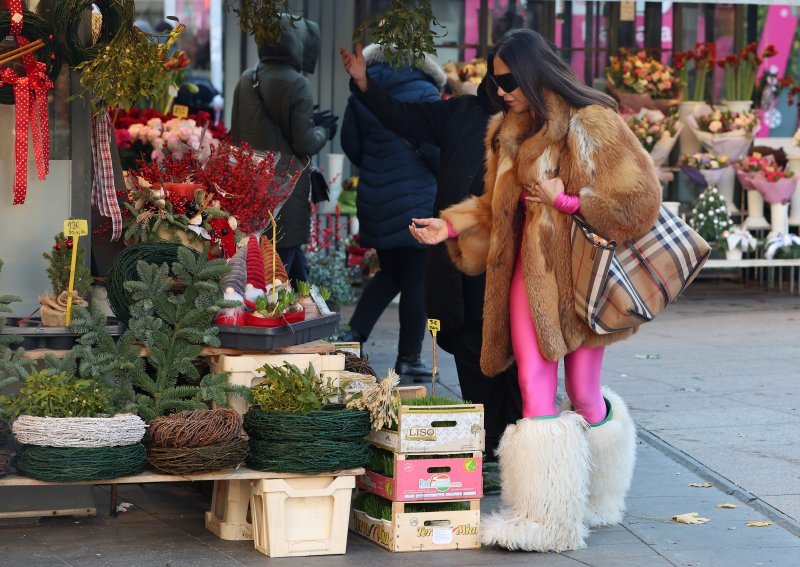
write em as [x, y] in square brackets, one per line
[613, 452]
[544, 472]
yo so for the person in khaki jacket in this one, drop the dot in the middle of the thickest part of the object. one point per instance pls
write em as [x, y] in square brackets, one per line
[558, 148]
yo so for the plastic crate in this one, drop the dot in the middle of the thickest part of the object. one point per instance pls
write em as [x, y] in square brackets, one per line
[434, 429]
[37, 336]
[434, 478]
[297, 517]
[421, 531]
[269, 338]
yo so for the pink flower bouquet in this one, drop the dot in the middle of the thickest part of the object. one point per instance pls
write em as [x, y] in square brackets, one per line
[724, 131]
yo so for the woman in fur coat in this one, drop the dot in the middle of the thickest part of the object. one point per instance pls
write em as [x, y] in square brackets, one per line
[558, 148]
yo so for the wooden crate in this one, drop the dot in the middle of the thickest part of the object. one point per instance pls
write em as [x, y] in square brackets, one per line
[297, 517]
[434, 429]
[436, 477]
[425, 531]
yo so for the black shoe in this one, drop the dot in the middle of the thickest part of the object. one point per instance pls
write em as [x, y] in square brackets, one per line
[412, 366]
[353, 336]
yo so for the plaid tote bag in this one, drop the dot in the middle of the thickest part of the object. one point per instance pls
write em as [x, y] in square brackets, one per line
[620, 287]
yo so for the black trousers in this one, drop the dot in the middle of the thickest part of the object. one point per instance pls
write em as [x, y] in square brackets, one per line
[402, 271]
[294, 260]
[500, 395]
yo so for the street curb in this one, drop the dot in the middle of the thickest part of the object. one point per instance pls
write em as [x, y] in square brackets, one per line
[727, 486]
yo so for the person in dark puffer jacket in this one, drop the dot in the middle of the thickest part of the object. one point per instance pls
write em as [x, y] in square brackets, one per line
[397, 181]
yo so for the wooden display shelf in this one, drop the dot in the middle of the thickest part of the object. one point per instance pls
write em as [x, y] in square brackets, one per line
[242, 473]
[315, 347]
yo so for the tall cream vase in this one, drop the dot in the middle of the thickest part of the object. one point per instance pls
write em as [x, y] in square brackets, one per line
[689, 142]
[793, 164]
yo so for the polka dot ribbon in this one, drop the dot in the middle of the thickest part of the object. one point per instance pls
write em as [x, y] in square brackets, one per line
[104, 192]
[30, 100]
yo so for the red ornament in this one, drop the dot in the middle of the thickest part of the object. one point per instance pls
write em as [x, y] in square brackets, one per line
[69, 244]
[58, 246]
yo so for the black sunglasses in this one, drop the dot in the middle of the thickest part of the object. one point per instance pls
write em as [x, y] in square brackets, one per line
[507, 82]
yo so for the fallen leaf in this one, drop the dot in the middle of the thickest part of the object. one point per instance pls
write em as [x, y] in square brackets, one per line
[648, 356]
[690, 518]
[726, 505]
[758, 524]
[700, 484]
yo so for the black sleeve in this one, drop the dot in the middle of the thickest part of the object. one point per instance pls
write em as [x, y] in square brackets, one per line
[350, 136]
[422, 121]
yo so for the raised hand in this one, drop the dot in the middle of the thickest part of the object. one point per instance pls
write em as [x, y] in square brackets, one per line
[355, 65]
[428, 231]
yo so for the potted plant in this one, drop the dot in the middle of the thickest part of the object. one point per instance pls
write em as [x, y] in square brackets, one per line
[782, 246]
[70, 431]
[275, 310]
[710, 217]
[734, 242]
[54, 305]
[305, 299]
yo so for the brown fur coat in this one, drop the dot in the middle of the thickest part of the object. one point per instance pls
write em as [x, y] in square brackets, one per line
[602, 161]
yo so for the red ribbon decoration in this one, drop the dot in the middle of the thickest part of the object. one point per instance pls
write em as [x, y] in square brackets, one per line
[30, 100]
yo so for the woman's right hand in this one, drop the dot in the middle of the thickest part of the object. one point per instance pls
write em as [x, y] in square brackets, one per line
[428, 231]
[356, 66]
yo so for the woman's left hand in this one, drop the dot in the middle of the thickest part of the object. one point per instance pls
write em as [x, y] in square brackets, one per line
[544, 191]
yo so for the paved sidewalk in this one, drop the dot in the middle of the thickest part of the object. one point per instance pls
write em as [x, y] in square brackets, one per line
[700, 420]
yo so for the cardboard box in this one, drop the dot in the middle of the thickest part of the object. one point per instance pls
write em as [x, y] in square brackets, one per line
[434, 429]
[425, 531]
[437, 477]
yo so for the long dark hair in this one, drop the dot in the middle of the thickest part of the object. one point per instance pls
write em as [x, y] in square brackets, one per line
[536, 66]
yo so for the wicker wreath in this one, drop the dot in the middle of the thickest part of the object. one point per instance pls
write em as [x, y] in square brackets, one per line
[74, 464]
[5, 430]
[116, 431]
[5, 462]
[196, 428]
[194, 460]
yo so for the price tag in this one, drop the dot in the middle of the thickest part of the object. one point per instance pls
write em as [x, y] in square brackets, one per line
[76, 227]
[627, 11]
[180, 111]
[434, 325]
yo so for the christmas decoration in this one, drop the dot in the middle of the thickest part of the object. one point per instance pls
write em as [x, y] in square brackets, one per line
[13, 365]
[60, 257]
[710, 217]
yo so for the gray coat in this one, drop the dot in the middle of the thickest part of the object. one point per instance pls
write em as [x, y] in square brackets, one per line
[289, 126]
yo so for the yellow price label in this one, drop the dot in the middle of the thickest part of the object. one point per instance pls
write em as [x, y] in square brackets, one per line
[76, 227]
[627, 11]
[180, 111]
[434, 325]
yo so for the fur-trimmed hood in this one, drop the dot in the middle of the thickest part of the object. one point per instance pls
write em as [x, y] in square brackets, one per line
[597, 156]
[373, 54]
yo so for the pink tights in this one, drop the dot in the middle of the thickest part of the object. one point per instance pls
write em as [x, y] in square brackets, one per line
[538, 377]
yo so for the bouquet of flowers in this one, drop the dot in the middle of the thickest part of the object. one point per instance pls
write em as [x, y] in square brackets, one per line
[710, 217]
[464, 77]
[704, 169]
[703, 56]
[147, 134]
[775, 184]
[640, 81]
[657, 133]
[784, 246]
[741, 70]
[724, 131]
[739, 240]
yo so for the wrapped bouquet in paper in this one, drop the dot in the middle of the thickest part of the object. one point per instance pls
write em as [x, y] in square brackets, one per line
[704, 169]
[724, 131]
[782, 246]
[656, 132]
[736, 241]
[775, 184]
[640, 81]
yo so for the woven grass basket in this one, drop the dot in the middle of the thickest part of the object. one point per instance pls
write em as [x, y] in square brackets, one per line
[195, 460]
[5, 462]
[196, 428]
[115, 431]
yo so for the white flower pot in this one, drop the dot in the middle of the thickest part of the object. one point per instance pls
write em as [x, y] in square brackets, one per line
[672, 206]
[735, 254]
[755, 212]
[689, 142]
[794, 207]
[333, 176]
[780, 220]
[726, 186]
[738, 105]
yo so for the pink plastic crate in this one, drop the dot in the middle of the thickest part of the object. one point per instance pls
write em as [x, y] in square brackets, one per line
[432, 478]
